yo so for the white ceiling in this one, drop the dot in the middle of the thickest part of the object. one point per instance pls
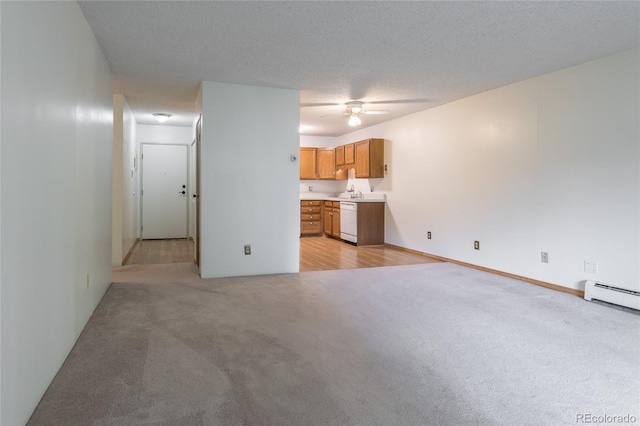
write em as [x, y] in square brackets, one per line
[409, 55]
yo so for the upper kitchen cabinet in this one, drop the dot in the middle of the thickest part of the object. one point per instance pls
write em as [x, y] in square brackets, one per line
[308, 163]
[326, 161]
[345, 160]
[349, 155]
[369, 158]
[366, 157]
[345, 155]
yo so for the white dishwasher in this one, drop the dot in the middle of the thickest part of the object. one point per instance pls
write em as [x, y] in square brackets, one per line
[349, 221]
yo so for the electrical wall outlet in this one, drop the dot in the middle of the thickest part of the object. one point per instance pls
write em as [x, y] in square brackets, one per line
[476, 245]
[429, 235]
[591, 266]
[386, 169]
[247, 249]
[544, 257]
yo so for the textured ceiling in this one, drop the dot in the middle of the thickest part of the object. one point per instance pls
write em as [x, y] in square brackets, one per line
[409, 55]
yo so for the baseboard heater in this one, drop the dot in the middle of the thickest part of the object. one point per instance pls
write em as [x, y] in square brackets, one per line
[618, 296]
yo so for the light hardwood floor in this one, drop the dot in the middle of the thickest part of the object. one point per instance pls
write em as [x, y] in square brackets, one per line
[162, 251]
[316, 254]
[326, 254]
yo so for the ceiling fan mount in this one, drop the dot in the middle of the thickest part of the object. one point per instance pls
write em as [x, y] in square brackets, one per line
[354, 107]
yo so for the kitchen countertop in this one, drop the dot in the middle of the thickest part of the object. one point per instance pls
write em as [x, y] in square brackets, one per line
[368, 198]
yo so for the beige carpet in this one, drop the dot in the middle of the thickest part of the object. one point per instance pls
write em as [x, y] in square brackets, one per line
[433, 344]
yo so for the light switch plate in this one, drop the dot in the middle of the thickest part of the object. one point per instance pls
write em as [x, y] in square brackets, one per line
[591, 266]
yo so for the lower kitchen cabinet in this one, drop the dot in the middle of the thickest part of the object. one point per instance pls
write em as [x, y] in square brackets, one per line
[370, 224]
[310, 217]
[332, 218]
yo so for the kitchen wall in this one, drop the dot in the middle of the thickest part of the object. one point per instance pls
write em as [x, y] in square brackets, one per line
[248, 188]
[548, 164]
[56, 223]
[125, 180]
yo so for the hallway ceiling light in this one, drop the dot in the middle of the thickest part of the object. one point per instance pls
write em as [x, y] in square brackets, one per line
[161, 116]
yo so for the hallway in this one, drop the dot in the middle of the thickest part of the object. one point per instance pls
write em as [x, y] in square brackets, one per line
[147, 252]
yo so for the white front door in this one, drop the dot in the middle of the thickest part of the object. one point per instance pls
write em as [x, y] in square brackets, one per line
[164, 191]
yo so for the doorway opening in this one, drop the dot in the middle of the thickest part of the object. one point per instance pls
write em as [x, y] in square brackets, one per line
[165, 232]
[148, 252]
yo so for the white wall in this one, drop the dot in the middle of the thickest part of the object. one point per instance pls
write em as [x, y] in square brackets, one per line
[56, 224]
[125, 180]
[0, 215]
[249, 188]
[165, 133]
[192, 190]
[116, 180]
[130, 180]
[317, 141]
[548, 164]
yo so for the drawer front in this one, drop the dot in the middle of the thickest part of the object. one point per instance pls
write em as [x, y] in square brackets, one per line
[309, 203]
[310, 210]
[309, 217]
[310, 227]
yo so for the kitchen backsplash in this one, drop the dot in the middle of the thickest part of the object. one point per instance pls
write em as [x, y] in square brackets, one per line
[340, 186]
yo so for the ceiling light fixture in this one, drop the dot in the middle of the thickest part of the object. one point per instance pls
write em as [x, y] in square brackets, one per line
[354, 120]
[354, 107]
[161, 116]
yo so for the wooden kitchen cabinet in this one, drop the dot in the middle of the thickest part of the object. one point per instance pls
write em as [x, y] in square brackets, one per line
[339, 155]
[366, 157]
[332, 218]
[326, 163]
[369, 158]
[335, 220]
[308, 163]
[345, 155]
[310, 217]
[345, 160]
[370, 224]
[349, 154]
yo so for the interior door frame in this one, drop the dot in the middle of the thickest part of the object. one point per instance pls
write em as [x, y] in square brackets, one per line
[141, 202]
[196, 250]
